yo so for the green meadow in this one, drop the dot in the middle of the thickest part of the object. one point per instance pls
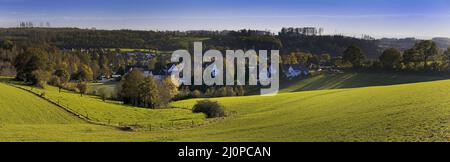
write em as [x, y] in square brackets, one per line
[114, 112]
[375, 112]
[352, 80]
[21, 107]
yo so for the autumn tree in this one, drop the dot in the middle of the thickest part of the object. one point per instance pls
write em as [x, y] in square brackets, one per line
[391, 59]
[103, 93]
[447, 57]
[6, 44]
[426, 49]
[30, 63]
[82, 88]
[167, 91]
[325, 58]
[41, 77]
[170, 86]
[85, 73]
[410, 58]
[129, 87]
[305, 58]
[354, 55]
[290, 59]
[149, 93]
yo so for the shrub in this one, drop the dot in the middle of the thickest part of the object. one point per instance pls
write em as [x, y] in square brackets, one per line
[71, 87]
[103, 93]
[196, 94]
[41, 77]
[212, 109]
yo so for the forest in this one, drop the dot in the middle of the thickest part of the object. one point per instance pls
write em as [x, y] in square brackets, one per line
[68, 38]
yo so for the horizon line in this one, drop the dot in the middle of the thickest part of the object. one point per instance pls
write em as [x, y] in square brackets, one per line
[358, 36]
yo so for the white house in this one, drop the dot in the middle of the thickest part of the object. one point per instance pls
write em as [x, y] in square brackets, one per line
[295, 70]
[215, 71]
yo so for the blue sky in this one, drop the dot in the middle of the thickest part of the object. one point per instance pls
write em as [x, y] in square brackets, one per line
[379, 18]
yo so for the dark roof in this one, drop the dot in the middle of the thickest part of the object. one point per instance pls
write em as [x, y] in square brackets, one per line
[159, 72]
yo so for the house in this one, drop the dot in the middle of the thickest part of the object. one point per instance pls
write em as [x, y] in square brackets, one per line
[158, 73]
[162, 72]
[295, 70]
[215, 71]
[174, 68]
[265, 75]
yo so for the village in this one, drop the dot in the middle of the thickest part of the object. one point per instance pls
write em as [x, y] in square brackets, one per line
[288, 70]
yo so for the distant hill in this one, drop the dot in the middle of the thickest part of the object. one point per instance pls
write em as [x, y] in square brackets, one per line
[334, 45]
[402, 43]
[406, 43]
[88, 38]
[442, 42]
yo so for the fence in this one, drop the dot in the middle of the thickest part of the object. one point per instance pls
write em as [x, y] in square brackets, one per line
[163, 125]
[66, 108]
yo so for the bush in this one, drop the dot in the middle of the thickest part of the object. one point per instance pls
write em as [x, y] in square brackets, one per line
[41, 77]
[212, 109]
[196, 94]
[103, 93]
[82, 88]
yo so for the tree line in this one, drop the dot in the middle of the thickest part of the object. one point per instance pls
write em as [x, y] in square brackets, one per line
[44, 64]
[68, 38]
[424, 56]
[8, 53]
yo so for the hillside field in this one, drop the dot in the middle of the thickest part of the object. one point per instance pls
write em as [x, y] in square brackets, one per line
[404, 112]
[352, 80]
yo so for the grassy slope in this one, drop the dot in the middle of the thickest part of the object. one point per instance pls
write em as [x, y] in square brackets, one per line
[115, 112]
[26, 117]
[20, 107]
[409, 112]
[109, 87]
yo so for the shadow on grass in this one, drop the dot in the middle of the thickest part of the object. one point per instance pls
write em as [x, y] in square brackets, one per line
[354, 80]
